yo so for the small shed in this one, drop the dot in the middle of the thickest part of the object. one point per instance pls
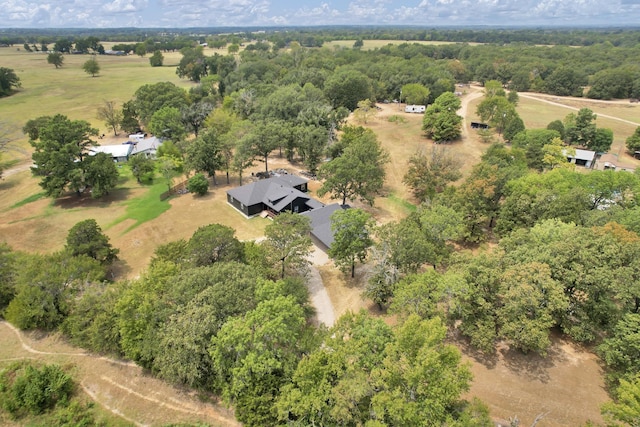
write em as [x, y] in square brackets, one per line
[415, 108]
[583, 158]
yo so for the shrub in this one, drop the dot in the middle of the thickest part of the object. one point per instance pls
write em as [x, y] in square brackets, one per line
[198, 184]
[25, 389]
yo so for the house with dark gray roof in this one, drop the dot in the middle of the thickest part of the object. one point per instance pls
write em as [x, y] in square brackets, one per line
[274, 195]
[321, 232]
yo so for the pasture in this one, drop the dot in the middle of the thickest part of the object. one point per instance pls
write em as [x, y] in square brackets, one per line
[376, 44]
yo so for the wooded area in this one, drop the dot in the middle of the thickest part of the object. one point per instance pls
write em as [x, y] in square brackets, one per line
[522, 245]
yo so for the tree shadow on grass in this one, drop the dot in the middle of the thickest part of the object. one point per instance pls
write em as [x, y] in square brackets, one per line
[73, 201]
[119, 269]
[532, 366]
[6, 184]
[489, 360]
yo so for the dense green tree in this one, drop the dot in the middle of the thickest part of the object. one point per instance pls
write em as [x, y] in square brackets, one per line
[558, 126]
[421, 378]
[311, 144]
[531, 142]
[366, 374]
[333, 384]
[46, 286]
[352, 238]
[580, 129]
[626, 408]
[581, 260]
[8, 81]
[167, 123]
[86, 238]
[27, 389]
[100, 174]
[157, 59]
[621, 351]
[419, 294]
[358, 172]
[214, 243]
[224, 290]
[415, 93]
[141, 167]
[441, 122]
[33, 126]
[143, 308]
[288, 242]
[441, 225]
[7, 275]
[602, 140]
[555, 155]
[565, 81]
[633, 142]
[141, 50]
[198, 184]
[92, 67]
[56, 59]
[204, 154]
[429, 173]
[534, 197]
[531, 304]
[501, 114]
[476, 199]
[129, 122]
[256, 354]
[345, 87]
[152, 97]
[611, 83]
[92, 322]
[475, 298]
[63, 45]
[59, 154]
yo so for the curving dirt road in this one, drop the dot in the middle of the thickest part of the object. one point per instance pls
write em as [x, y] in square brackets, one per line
[120, 387]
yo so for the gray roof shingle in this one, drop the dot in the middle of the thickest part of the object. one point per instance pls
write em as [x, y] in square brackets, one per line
[321, 222]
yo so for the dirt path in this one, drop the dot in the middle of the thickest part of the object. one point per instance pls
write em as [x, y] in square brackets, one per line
[16, 169]
[120, 387]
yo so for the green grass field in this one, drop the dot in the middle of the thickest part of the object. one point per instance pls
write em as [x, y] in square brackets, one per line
[72, 92]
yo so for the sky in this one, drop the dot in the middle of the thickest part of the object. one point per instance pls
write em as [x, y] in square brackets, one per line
[268, 13]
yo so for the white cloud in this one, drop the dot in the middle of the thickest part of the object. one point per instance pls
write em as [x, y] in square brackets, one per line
[182, 13]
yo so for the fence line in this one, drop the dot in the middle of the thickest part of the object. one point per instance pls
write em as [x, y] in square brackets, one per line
[176, 189]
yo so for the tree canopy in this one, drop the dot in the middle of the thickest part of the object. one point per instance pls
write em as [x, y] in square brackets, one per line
[357, 172]
[9, 81]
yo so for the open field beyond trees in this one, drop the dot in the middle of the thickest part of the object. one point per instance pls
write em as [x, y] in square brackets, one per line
[567, 386]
